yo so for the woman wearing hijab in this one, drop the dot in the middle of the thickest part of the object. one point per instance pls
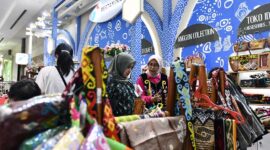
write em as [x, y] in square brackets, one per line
[120, 89]
[154, 83]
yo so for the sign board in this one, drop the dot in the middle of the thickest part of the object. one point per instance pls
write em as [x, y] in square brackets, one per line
[105, 10]
[256, 21]
[147, 47]
[196, 34]
[21, 58]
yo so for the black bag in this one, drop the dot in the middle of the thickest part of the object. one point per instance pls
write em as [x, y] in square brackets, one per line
[248, 83]
[250, 131]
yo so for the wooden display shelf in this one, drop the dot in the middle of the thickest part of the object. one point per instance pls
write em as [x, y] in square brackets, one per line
[254, 106]
[255, 87]
[247, 71]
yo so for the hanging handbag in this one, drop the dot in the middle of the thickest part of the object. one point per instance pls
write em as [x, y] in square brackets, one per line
[203, 121]
[264, 61]
[194, 59]
[139, 106]
[240, 46]
[244, 62]
[258, 43]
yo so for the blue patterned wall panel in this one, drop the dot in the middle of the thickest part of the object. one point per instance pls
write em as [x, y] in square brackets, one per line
[225, 16]
[167, 28]
[119, 31]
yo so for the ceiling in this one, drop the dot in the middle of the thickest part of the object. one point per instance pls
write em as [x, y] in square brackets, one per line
[15, 16]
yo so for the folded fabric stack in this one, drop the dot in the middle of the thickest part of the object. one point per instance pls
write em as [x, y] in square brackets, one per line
[264, 115]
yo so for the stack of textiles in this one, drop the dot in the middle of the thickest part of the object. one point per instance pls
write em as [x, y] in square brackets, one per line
[264, 116]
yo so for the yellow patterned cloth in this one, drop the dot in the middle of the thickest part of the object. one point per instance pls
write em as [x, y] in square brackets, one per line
[71, 140]
[109, 125]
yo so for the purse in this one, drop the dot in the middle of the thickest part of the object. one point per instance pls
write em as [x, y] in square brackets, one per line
[203, 121]
[244, 62]
[139, 106]
[194, 59]
[258, 43]
[240, 46]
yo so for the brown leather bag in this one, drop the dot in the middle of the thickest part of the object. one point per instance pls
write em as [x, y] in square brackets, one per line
[139, 106]
[257, 44]
[240, 46]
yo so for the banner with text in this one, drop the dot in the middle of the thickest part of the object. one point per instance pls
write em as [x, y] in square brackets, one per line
[256, 21]
[196, 34]
[147, 47]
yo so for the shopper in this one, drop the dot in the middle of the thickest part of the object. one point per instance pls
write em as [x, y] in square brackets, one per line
[120, 89]
[154, 83]
[23, 90]
[53, 79]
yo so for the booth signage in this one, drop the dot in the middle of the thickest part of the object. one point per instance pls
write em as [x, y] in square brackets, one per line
[196, 34]
[21, 58]
[256, 21]
[105, 10]
[147, 47]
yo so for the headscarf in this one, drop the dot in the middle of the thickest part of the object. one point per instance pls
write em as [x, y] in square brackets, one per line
[159, 61]
[119, 64]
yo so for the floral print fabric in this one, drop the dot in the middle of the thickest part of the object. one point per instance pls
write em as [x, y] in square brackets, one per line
[121, 95]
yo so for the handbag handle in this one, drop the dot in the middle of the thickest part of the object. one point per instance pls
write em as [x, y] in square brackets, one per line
[77, 77]
[199, 93]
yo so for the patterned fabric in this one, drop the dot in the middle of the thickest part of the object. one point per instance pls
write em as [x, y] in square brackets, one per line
[89, 80]
[27, 118]
[204, 128]
[49, 144]
[138, 117]
[152, 89]
[121, 97]
[229, 134]
[33, 142]
[109, 125]
[127, 118]
[156, 133]
[71, 140]
[220, 140]
[181, 79]
[95, 140]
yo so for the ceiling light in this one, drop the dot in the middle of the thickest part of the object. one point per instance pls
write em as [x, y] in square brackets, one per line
[45, 14]
[41, 18]
[32, 25]
[29, 33]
